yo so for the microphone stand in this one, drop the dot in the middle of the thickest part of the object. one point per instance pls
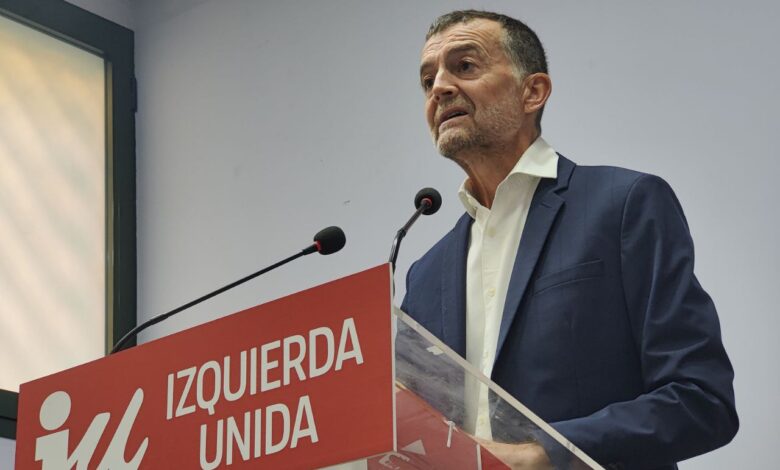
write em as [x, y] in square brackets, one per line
[153, 321]
[425, 204]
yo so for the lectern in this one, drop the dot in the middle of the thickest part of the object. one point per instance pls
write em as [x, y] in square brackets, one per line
[330, 377]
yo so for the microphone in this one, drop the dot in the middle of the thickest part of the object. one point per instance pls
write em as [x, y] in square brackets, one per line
[430, 198]
[327, 241]
[427, 201]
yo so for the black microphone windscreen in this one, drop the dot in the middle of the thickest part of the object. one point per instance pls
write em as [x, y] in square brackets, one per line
[430, 194]
[330, 240]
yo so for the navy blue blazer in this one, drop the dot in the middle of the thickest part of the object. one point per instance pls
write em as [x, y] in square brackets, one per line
[606, 332]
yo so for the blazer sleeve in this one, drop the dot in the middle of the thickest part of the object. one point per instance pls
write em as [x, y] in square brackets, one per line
[687, 406]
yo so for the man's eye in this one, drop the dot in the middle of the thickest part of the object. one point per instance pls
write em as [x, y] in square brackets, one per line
[465, 66]
[427, 83]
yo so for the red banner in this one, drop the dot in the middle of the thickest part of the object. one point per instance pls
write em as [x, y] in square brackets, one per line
[301, 382]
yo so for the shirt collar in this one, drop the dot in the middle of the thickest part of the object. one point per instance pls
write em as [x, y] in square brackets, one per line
[539, 160]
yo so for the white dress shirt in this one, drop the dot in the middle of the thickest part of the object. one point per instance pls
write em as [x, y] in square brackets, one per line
[495, 237]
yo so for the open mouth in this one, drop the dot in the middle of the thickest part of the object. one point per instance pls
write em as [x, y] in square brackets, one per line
[451, 115]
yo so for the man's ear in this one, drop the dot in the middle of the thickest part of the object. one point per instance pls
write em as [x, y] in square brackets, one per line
[536, 90]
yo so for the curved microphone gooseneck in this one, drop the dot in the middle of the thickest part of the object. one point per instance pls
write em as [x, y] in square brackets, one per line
[427, 201]
[326, 241]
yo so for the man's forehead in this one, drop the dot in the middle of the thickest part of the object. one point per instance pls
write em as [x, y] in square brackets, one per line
[481, 33]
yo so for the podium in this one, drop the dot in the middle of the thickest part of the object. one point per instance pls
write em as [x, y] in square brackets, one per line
[330, 377]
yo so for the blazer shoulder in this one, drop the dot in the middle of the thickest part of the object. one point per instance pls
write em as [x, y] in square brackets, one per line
[612, 181]
[614, 175]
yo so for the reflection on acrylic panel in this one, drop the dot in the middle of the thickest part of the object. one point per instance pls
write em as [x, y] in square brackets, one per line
[52, 204]
[440, 379]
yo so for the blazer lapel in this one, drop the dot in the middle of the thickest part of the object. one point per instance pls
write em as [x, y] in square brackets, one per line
[541, 216]
[453, 287]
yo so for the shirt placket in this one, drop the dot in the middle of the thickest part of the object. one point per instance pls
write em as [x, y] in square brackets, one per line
[489, 291]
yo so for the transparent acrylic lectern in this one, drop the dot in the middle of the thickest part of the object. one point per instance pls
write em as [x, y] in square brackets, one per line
[445, 407]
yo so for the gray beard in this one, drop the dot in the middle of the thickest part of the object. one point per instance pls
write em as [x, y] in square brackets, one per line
[495, 123]
[451, 146]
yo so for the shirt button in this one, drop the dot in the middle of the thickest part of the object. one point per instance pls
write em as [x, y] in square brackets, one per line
[491, 232]
[491, 292]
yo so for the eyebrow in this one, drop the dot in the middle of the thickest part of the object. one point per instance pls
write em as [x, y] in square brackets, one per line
[459, 49]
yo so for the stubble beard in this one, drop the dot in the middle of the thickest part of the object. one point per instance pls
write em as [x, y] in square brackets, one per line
[494, 123]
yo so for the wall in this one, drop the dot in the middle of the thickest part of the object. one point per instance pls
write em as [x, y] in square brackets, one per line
[261, 122]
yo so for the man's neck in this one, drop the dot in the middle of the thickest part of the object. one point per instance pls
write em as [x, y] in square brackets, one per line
[486, 168]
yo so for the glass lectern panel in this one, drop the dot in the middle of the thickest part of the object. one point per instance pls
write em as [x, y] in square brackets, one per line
[449, 415]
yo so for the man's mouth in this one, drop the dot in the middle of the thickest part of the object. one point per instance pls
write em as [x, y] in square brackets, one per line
[450, 114]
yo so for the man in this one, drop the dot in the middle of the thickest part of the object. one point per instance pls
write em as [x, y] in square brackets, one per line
[572, 287]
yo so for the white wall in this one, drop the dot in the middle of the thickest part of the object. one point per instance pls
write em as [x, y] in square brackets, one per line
[261, 122]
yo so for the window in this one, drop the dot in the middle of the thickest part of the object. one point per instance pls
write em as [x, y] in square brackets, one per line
[67, 191]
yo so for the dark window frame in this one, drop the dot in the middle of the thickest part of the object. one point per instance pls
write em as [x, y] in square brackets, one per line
[115, 44]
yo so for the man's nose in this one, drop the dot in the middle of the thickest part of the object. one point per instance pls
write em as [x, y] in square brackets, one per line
[443, 86]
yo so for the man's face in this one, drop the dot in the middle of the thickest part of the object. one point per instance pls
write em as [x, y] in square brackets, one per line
[472, 89]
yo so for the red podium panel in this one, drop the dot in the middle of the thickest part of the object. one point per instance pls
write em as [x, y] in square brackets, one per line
[301, 382]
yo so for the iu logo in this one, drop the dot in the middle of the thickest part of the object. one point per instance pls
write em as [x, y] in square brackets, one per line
[52, 449]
